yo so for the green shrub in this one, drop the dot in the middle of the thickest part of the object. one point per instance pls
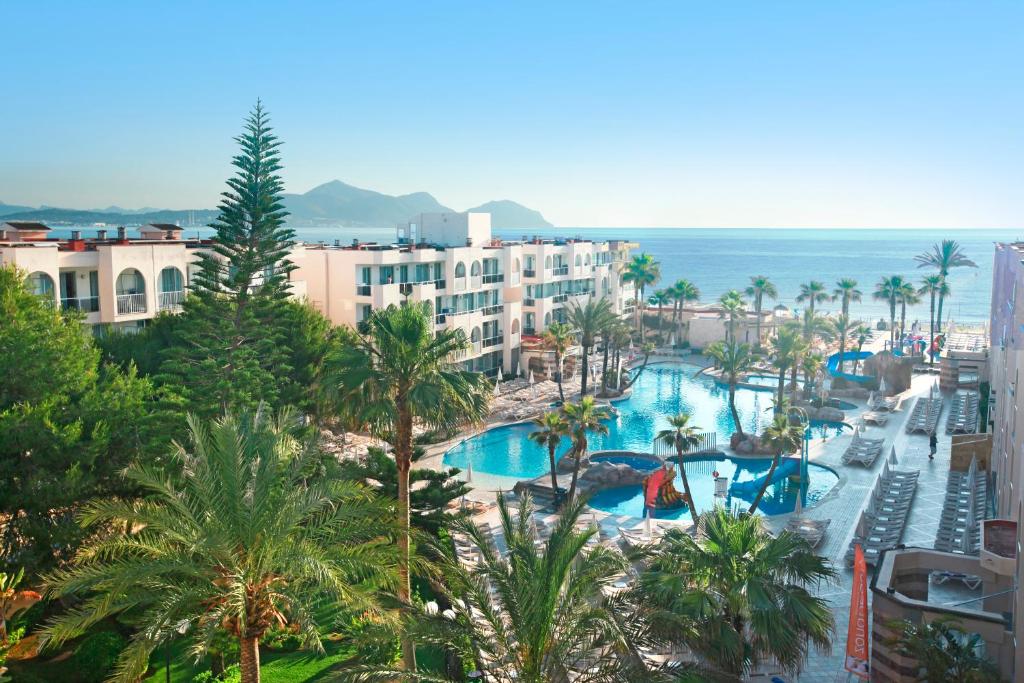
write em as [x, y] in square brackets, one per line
[95, 656]
[232, 674]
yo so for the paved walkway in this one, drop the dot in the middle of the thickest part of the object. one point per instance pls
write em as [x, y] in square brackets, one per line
[844, 504]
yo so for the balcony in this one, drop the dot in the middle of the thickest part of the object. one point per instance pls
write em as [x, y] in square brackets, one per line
[130, 304]
[529, 302]
[530, 331]
[529, 273]
[560, 270]
[475, 281]
[493, 310]
[86, 304]
[560, 298]
[363, 290]
[493, 341]
[440, 319]
[460, 284]
[494, 277]
[169, 301]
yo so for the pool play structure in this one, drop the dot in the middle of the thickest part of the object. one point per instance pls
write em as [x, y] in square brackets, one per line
[849, 356]
[745, 476]
[502, 456]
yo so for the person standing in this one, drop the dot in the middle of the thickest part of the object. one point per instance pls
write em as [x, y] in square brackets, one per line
[933, 445]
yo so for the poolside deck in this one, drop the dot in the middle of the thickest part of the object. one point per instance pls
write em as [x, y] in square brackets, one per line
[842, 507]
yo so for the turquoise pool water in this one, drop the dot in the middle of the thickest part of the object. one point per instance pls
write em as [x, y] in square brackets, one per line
[500, 457]
[780, 497]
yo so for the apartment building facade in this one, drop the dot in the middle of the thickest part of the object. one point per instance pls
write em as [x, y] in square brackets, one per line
[495, 291]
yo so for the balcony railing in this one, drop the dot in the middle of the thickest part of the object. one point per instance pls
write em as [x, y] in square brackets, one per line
[171, 300]
[561, 270]
[86, 304]
[529, 331]
[363, 290]
[475, 281]
[529, 302]
[560, 298]
[493, 310]
[494, 277]
[529, 273]
[128, 304]
[493, 341]
[440, 318]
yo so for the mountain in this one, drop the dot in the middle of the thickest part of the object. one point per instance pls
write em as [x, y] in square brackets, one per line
[331, 204]
[338, 203]
[506, 215]
[6, 209]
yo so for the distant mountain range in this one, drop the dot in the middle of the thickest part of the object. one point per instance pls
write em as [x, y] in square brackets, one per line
[331, 204]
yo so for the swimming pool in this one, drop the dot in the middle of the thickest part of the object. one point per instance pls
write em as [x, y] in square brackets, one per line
[638, 462]
[499, 457]
[779, 498]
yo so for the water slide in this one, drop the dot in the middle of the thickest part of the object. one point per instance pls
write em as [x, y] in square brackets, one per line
[848, 357]
[787, 467]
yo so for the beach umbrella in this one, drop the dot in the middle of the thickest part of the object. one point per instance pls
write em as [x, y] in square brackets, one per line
[862, 526]
[647, 525]
[497, 385]
[799, 507]
[881, 386]
[469, 472]
[871, 399]
[529, 379]
[892, 456]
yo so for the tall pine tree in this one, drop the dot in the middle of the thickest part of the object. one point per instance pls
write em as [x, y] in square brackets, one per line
[230, 352]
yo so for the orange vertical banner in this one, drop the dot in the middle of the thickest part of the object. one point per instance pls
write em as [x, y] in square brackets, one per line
[857, 661]
[652, 484]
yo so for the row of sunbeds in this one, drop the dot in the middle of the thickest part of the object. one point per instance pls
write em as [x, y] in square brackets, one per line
[963, 413]
[962, 511]
[881, 525]
[924, 418]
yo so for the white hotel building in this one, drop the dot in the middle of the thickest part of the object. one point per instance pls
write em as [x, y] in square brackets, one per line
[496, 291]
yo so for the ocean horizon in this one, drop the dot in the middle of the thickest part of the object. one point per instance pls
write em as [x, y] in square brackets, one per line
[719, 259]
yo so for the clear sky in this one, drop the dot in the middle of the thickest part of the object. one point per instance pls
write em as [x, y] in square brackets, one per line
[803, 114]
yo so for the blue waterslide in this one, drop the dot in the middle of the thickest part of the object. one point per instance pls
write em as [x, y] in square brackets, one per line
[849, 356]
[787, 467]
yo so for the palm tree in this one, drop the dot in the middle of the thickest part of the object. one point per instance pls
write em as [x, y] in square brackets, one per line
[816, 325]
[683, 292]
[862, 332]
[660, 298]
[732, 307]
[810, 364]
[643, 271]
[590, 320]
[943, 651]
[533, 614]
[887, 289]
[736, 361]
[245, 537]
[559, 338]
[812, 292]
[621, 337]
[784, 437]
[944, 257]
[787, 347]
[549, 429]
[932, 285]
[581, 418]
[611, 331]
[736, 594]
[760, 287]
[398, 372]
[682, 436]
[843, 327]
[906, 294]
[846, 291]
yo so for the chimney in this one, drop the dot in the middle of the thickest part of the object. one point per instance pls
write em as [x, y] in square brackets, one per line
[122, 233]
[101, 234]
[3, 235]
[76, 235]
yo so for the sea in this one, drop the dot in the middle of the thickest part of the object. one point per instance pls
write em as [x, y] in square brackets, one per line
[720, 259]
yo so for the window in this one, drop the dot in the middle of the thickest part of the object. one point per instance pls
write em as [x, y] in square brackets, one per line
[40, 284]
[475, 269]
[130, 282]
[460, 269]
[579, 261]
[171, 280]
[547, 263]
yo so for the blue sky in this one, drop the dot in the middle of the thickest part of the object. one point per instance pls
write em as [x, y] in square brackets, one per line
[753, 114]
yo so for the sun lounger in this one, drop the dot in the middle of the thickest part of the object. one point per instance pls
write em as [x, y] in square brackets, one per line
[969, 580]
[875, 418]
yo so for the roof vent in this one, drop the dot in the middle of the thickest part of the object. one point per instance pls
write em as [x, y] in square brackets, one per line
[101, 234]
[76, 235]
[122, 234]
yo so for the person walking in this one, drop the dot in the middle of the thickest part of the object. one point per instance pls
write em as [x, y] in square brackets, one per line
[933, 445]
